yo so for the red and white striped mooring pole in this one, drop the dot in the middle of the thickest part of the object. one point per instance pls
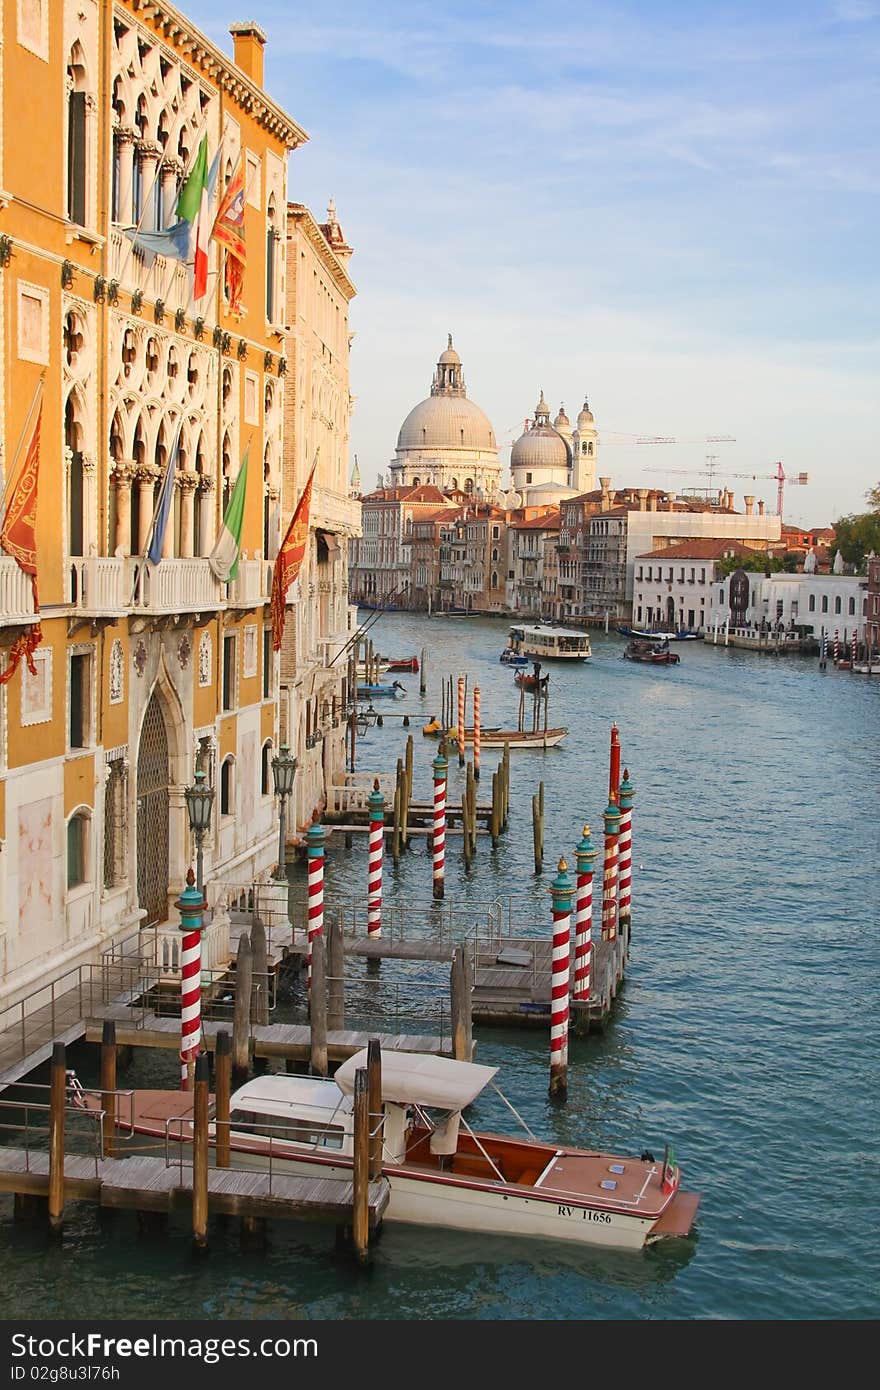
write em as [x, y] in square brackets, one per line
[440, 769]
[624, 856]
[190, 905]
[374, 867]
[836, 651]
[561, 890]
[461, 721]
[477, 734]
[586, 855]
[315, 855]
[609, 873]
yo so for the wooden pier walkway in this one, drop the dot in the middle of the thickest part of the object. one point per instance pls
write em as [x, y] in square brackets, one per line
[512, 983]
[149, 1184]
[285, 1040]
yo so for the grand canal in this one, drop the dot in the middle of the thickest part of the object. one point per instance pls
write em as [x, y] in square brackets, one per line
[746, 1034]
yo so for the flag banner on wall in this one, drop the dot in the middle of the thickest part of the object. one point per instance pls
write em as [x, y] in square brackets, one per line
[192, 205]
[290, 558]
[223, 559]
[164, 505]
[228, 229]
[18, 537]
[174, 241]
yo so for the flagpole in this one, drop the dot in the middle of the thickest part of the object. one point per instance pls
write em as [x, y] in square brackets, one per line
[171, 458]
[179, 185]
[24, 432]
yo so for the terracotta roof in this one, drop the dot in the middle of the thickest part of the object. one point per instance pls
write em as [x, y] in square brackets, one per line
[426, 492]
[701, 548]
[551, 521]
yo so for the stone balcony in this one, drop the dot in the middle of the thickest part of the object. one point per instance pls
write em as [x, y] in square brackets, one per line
[98, 585]
[173, 586]
[334, 512]
[16, 597]
[253, 585]
[164, 278]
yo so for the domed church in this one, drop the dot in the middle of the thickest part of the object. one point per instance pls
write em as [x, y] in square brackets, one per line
[446, 439]
[549, 462]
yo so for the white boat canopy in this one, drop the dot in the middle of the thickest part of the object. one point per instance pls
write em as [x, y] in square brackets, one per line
[413, 1078]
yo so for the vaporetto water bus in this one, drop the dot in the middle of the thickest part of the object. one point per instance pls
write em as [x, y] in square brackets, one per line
[541, 643]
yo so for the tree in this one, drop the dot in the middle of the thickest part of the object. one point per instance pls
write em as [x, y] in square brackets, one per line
[872, 497]
[759, 563]
[857, 535]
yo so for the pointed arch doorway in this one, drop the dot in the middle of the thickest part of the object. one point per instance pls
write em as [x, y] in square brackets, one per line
[153, 778]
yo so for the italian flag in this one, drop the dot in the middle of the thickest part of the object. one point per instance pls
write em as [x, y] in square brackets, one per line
[224, 557]
[192, 205]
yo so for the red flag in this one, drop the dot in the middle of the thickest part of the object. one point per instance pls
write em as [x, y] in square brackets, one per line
[18, 537]
[229, 230]
[290, 558]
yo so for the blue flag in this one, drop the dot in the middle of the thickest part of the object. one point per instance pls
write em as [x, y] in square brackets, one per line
[163, 506]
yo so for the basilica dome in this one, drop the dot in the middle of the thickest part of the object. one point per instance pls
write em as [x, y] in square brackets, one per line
[541, 447]
[446, 439]
[446, 422]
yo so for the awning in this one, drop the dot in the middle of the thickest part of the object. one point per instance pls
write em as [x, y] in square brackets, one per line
[414, 1078]
[331, 540]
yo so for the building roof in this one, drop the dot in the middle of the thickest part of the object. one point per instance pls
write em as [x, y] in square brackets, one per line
[550, 521]
[704, 548]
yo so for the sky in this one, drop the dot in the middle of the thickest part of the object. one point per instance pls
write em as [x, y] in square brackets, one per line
[670, 208]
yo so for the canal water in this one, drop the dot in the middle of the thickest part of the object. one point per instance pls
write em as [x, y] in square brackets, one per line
[745, 1036]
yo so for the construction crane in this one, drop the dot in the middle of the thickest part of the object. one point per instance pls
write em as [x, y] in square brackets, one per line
[662, 439]
[780, 477]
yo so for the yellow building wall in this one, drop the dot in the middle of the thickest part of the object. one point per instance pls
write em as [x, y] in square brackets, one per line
[33, 743]
[79, 782]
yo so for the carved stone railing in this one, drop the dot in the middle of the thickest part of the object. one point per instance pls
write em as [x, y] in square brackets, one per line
[16, 597]
[98, 585]
[174, 586]
[252, 586]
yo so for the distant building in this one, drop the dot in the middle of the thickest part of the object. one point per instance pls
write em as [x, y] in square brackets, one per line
[551, 462]
[527, 551]
[815, 602]
[672, 585]
[873, 603]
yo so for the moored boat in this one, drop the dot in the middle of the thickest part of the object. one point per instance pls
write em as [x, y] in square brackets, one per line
[369, 692]
[440, 1172]
[403, 663]
[514, 738]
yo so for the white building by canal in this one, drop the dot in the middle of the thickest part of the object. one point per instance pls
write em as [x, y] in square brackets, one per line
[815, 602]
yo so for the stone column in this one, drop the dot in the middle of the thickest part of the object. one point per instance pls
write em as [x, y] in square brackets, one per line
[149, 159]
[187, 483]
[146, 481]
[168, 183]
[206, 514]
[125, 139]
[121, 477]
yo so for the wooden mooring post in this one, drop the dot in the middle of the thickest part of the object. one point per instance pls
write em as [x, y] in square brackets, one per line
[108, 1087]
[241, 1017]
[407, 796]
[360, 1214]
[460, 1002]
[200, 1154]
[222, 1088]
[495, 819]
[538, 828]
[423, 680]
[57, 1100]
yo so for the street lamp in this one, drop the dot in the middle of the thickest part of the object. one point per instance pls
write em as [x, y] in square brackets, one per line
[283, 772]
[199, 801]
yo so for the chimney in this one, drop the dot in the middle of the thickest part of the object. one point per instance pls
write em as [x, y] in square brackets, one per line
[761, 507]
[750, 504]
[605, 484]
[652, 502]
[248, 40]
[643, 499]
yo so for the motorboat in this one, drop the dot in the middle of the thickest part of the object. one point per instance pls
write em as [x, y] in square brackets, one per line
[403, 663]
[510, 658]
[548, 643]
[369, 692]
[440, 1171]
[654, 635]
[650, 651]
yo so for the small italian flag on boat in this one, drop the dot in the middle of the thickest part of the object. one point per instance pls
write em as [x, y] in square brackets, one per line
[669, 1169]
[227, 547]
[192, 206]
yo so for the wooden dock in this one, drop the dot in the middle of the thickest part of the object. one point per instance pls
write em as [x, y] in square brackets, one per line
[512, 983]
[288, 1041]
[149, 1184]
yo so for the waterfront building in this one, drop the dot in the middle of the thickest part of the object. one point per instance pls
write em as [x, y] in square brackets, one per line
[380, 565]
[447, 440]
[778, 602]
[317, 409]
[872, 595]
[672, 584]
[528, 536]
[141, 671]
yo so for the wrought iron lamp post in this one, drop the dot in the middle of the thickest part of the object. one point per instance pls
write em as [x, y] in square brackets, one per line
[199, 803]
[283, 772]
